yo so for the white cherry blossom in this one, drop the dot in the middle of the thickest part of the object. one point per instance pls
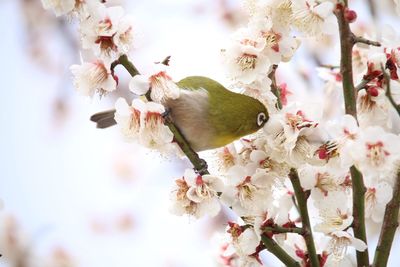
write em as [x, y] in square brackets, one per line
[91, 78]
[60, 7]
[247, 191]
[128, 117]
[158, 82]
[340, 241]
[314, 17]
[196, 195]
[376, 151]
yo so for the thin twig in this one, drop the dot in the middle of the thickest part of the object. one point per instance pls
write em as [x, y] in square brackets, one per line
[329, 66]
[389, 91]
[359, 39]
[281, 230]
[279, 252]
[305, 219]
[347, 42]
[389, 226]
[274, 87]
[199, 164]
[362, 84]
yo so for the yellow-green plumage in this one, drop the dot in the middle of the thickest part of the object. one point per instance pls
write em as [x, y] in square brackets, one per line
[207, 114]
[230, 115]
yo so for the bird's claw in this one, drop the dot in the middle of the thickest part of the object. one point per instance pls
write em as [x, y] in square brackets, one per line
[166, 113]
[203, 167]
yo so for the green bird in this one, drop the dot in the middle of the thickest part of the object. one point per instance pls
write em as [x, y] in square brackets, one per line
[207, 114]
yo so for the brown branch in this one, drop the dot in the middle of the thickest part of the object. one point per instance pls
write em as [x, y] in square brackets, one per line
[281, 230]
[305, 219]
[274, 87]
[347, 41]
[362, 84]
[279, 252]
[199, 164]
[389, 91]
[389, 226]
[359, 39]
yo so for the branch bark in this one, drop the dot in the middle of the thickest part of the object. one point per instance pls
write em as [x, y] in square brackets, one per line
[389, 92]
[199, 164]
[274, 87]
[347, 41]
[281, 230]
[305, 219]
[389, 226]
[279, 252]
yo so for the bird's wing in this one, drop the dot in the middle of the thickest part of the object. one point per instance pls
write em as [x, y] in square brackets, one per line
[199, 82]
[104, 119]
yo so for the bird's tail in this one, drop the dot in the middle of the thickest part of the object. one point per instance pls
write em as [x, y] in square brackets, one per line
[104, 119]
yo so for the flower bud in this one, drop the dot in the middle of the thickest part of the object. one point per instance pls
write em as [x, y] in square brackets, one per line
[350, 15]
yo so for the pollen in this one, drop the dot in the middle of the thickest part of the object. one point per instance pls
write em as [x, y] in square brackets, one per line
[247, 61]
[376, 153]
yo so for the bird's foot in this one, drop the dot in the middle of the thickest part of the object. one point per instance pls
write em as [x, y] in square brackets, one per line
[166, 113]
[203, 169]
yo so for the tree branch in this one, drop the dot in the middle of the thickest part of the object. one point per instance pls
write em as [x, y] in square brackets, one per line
[390, 219]
[359, 214]
[389, 226]
[359, 39]
[279, 252]
[389, 92]
[281, 230]
[274, 87]
[199, 164]
[305, 219]
[347, 41]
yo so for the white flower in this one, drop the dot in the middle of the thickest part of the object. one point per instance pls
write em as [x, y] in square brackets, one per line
[158, 82]
[227, 157]
[375, 151]
[313, 17]
[340, 241]
[293, 138]
[244, 59]
[196, 195]
[376, 199]
[322, 179]
[228, 256]
[244, 241]
[93, 77]
[60, 7]
[342, 133]
[128, 117]
[373, 110]
[153, 133]
[271, 167]
[280, 45]
[247, 191]
[143, 121]
[107, 32]
[334, 211]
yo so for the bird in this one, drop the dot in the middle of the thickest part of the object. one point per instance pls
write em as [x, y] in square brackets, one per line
[207, 114]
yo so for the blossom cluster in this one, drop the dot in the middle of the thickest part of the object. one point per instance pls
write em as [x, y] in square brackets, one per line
[107, 34]
[253, 174]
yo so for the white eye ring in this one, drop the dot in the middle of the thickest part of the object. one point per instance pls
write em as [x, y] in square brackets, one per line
[261, 118]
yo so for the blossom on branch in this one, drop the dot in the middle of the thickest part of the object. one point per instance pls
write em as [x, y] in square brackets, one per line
[158, 82]
[196, 195]
[91, 78]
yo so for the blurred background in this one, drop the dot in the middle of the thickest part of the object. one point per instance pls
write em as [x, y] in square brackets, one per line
[74, 195]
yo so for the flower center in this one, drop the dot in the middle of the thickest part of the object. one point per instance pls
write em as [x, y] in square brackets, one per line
[247, 61]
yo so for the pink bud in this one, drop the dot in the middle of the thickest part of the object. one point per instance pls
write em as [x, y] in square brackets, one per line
[350, 15]
[322, 153]
[373, 91]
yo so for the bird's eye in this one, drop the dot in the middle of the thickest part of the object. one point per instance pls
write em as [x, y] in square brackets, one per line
[261, 118]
